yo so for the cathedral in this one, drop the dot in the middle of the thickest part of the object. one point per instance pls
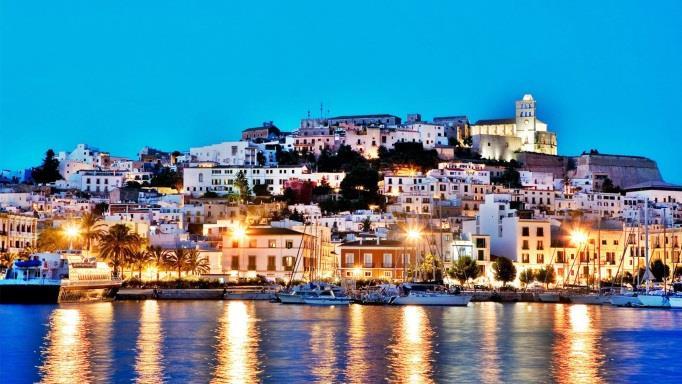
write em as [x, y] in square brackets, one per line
[501, 138]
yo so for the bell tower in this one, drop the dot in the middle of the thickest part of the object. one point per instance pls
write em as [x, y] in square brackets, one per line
[525, 122]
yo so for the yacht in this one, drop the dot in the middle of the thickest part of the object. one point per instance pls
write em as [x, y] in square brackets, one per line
[653, 299]
[57, 278]
[428, 294]
[590, 299]
[549, 297]
[625, 299]
[326, 297]
[301, 291]
[675, 301]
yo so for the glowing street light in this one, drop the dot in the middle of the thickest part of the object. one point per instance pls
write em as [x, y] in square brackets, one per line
[238, 232]
[413, 234]
[578, 237]
[71, 232]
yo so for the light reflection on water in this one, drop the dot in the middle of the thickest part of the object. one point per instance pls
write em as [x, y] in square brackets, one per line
[148, 364]
[410, 354]
[236, 351]
[67, 349]
[245, 342]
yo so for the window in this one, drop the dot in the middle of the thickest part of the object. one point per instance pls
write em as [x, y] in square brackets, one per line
[525, 244]
[540, 231]
[235, 244]
[350, 259]
[560, 256]
[367, 257]
[480, 243]
[253, 243]
[235, 263]
[388, 274]
[289, 244]
[540, 246]
[368, 273]
[525, 258]
[252, 263]
[271, 263]
[388, 260]
[525, 231]
[288, 263]
[481, 255]
[540, 258]
[272, 243]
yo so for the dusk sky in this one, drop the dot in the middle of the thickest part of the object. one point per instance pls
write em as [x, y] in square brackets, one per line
[120, 75]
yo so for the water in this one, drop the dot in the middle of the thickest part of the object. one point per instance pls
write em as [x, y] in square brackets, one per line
[243, 342]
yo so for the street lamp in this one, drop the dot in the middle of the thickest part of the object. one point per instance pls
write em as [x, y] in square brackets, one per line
[71, 232]
[413, 235]
[578, 237]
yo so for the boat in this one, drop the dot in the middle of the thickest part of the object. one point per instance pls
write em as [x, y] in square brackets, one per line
[379, 294]
[675, 301]
[428, 294]
[653, 299]
[589, 299]
[54, 277]
[299, 292]
[326, 297]
[549, 297]
[625, 299]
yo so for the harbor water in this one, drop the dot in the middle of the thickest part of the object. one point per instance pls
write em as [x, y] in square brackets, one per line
[244, 342]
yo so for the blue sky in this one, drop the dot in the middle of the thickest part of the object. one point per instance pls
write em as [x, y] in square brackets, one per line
[173, 74]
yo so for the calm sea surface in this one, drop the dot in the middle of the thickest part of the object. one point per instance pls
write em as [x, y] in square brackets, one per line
[223, 342]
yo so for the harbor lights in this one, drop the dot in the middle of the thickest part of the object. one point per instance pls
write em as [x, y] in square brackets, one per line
[412, 235]
[71, 232]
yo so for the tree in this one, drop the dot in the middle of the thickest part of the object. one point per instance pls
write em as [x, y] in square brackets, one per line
[177, 259]
[117, 244]
[296, 216]
[195, 263]
[431, 266]
[504, 270]
[166, 177]
[210, 195]
[51, 239]
[261, 190]
[463, 269]
[100, 208]
[510, 178]
[366, 224]
[91, 227]
[7, 259]
[526, 276]
[242, 185]
[546, 276]
[139, 257]
[48, 171]
[607, 186]
[660, 270]
[158, 256]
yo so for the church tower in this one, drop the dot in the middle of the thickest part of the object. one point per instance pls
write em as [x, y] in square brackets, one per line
[526, 122]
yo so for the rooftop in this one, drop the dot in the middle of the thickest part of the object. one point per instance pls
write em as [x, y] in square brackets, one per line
[510, 120]
[656, 185]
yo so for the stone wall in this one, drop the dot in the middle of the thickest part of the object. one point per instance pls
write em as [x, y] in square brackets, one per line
[624, 171]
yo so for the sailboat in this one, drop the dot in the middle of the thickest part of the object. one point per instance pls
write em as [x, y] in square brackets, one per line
[651, 298]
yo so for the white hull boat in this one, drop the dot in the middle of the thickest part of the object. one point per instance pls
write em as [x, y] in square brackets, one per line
[290, 298]
[326, 297]
[675, 302]
[624, 300]
[548, 297]
[429, 298]
[653, 301]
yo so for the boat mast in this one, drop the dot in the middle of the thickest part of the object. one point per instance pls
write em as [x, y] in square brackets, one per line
[646, 243]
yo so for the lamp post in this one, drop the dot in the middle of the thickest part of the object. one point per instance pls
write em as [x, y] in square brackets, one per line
[413, 235]
[71, 232]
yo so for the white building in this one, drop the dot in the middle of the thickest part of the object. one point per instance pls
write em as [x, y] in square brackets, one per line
[235, 153]
[220, 179]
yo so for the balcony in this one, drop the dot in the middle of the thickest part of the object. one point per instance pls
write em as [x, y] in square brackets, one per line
[368, 265]
[387, 265]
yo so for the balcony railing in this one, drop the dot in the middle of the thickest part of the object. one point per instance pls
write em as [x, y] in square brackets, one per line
[387, 265]
[368, 265]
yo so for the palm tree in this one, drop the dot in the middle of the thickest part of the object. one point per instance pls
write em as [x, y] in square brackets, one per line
[92, 228]
[117, 244]
[6, 259]
[178, 259]
[158, 256]
[195, 263]
[139, 257]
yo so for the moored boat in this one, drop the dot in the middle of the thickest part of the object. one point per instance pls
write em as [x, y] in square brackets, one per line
[58, 278]
[675, 301]
[429, 294]
[589, 299]
[549, 297]
[654, 299]
[326, 297]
